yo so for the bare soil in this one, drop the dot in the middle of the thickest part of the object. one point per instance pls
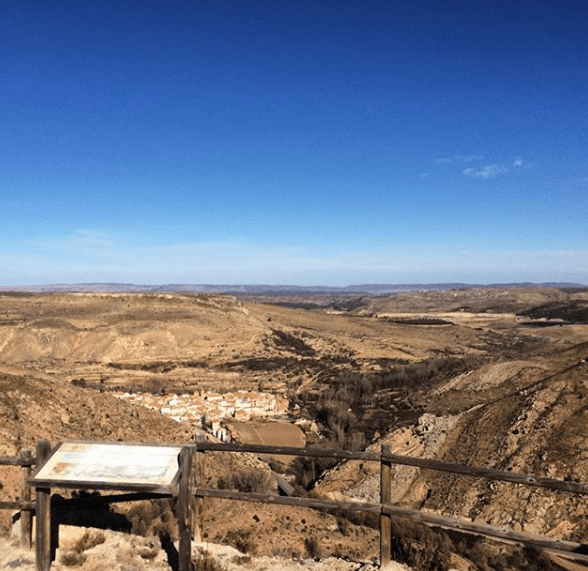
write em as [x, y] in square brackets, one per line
[449, 375]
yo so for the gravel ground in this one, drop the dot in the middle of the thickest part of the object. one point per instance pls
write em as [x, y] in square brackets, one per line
[123, 552]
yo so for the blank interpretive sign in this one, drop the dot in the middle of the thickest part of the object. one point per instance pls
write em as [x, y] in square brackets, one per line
[110, 466]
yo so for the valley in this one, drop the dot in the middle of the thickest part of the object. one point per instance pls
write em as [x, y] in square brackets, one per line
[493, 377]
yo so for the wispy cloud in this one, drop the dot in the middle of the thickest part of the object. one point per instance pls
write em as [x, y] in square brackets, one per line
[94, 256]
[80, 239]
[489, 171]
[496, 169]
[457, 159]
[482, 171]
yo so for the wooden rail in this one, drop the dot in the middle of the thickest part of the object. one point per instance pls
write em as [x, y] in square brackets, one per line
[25, 506]
[487, 473]
[18, 505]
[568, 549]
[490, 474]
[192, 494]
[19, 461]
[311, 452]
[577, 551]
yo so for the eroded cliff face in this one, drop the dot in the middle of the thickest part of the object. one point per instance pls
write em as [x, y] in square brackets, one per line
[521, 416]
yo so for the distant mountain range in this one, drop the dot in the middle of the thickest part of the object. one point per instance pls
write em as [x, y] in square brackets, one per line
[369, 289]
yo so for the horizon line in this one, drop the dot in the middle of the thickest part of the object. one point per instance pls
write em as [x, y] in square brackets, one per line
[244, 286]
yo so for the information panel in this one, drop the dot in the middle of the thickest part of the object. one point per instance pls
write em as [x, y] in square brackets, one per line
[110, 466]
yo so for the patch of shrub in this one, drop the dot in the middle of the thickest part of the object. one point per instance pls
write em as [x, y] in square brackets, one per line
[153, 519]
[247, 481]
[241, 540]
[308, 470]
[490, 556]
[76, 556]
[286, 553]
[205, 561]
[89, 540]
[536, 560]
[240, 560]
[291, 343]
[419, 546]
[73, 559]
[312, 547]
[366, 519]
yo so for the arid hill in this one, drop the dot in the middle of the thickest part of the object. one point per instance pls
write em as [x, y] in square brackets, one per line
[476, 300]
[456, 375]
[35, 409]
[525, 416]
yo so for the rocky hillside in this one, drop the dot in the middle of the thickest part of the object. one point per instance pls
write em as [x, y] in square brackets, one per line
[526, 416]
[465, 381]
[475, 300]
[35, 409]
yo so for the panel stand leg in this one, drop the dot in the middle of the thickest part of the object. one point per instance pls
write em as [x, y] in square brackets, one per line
[43, 514]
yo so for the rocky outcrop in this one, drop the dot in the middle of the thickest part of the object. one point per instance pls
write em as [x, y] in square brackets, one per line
[528, 417]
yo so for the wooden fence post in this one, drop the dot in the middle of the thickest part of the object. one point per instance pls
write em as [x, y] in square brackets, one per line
[184, 501]
[385, 498]
[26, 527]
[198, 481]
[43, 514]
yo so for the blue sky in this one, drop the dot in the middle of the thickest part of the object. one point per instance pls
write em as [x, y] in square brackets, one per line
[301, 142]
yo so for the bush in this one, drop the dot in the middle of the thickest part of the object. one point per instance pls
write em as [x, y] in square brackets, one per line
[307, 470]
[312, 547]
[154, 519]
[73, 559]
[89, 540]
[76, 555]
[241, 540]
[204, 561]
[247, 481]
[418, 546]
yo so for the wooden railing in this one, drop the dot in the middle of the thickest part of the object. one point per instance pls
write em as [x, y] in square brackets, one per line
[192, 466]
[25, 505]
[569, 549]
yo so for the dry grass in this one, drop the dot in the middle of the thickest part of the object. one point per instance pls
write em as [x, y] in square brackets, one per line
[247, 481]
[205, 561]
[76, 555]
